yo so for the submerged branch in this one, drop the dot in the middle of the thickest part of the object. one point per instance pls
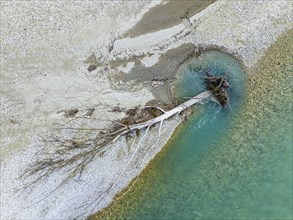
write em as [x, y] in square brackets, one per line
[218, 86]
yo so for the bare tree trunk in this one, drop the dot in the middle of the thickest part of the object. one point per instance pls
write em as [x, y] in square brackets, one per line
[198, 98]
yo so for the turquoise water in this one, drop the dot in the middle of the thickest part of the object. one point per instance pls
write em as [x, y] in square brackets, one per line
[224, 163]
[190, 76]
[193, 182]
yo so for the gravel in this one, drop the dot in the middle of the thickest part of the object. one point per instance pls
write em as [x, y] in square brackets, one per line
[44, 46]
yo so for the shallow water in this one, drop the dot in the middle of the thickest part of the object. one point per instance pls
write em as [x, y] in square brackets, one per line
[224, 164]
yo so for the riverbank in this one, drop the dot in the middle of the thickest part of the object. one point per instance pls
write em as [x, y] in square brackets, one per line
[44, 64]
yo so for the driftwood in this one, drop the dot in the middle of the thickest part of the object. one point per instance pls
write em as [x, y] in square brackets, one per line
[218, 86]
[164, 116]
[76, 154]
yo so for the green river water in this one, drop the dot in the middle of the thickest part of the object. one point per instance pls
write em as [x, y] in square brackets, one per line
[224, 163]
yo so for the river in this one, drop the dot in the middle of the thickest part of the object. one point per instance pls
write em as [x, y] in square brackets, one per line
[224, 163]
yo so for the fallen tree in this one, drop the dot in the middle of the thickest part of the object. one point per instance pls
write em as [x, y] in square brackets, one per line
[76, 154]
[80, 153]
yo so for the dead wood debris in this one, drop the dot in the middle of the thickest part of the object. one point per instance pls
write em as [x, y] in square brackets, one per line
[218, 86]
[90, 112]
[79, 152]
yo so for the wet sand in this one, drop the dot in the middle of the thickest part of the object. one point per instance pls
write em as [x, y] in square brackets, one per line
[167, 15]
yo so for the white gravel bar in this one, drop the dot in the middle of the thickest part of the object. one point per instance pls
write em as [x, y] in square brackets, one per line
[44, 45]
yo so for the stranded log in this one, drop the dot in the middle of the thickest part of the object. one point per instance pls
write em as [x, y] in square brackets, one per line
[196, 99]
